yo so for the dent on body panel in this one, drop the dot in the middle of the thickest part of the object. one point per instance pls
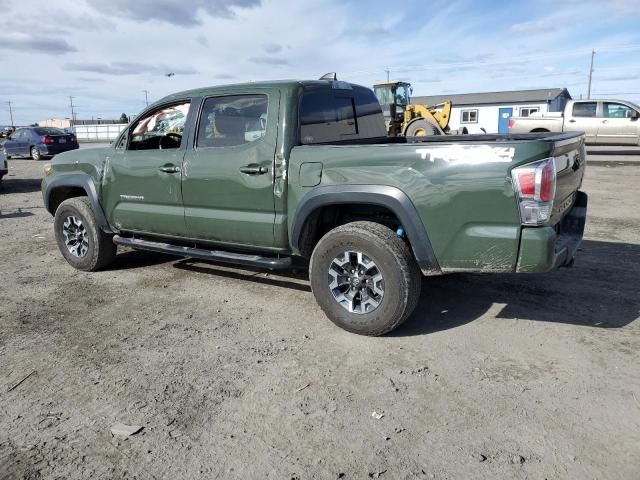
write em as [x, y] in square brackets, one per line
[469, 207]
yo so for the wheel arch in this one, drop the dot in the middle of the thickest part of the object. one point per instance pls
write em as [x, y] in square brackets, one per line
[74, 185]
[386, 197]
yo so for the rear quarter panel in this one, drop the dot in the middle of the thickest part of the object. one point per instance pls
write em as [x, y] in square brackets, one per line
[463, 192]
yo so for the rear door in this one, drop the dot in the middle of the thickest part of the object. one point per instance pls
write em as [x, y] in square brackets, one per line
[228, 178]
[582, 117]
[143, 175]
[616, 125]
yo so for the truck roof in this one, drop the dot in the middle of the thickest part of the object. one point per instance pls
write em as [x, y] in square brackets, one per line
[286, 84]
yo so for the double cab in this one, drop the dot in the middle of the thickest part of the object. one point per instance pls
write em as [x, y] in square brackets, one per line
[604, 122]
[263, 174]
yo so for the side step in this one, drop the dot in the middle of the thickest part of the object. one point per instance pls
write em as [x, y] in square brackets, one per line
[272, 263]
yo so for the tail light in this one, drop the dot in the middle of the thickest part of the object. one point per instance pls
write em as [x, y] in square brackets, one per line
[47, 140]
[535, 187]
[512, 122]
[73, 139]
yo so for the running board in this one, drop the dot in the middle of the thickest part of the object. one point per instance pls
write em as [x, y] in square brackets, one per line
[272, 263]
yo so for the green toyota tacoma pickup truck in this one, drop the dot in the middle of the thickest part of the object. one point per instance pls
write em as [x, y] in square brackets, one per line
[261, 173]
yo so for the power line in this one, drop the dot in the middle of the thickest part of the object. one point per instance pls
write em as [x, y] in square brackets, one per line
[496, 61]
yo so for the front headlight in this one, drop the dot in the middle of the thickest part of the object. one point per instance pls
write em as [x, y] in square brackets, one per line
[46, 169]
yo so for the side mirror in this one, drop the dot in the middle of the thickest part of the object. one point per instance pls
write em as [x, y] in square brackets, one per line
[634, 115]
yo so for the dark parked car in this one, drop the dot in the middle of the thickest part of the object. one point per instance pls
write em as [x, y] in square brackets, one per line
[38, 142]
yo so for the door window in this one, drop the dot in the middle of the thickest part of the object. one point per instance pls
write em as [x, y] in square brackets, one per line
[160, 129]
[584, 109]
[232, 120]
[616, 110]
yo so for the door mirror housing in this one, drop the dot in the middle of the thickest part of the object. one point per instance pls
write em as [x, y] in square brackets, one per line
[634, 115]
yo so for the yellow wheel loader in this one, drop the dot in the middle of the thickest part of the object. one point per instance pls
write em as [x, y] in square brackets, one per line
[403, 118]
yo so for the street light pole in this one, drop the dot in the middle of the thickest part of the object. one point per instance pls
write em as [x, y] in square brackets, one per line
[593, 53]
[146, 97]
[388, 72]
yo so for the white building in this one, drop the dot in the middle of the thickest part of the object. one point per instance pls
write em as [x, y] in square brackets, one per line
[490, 112]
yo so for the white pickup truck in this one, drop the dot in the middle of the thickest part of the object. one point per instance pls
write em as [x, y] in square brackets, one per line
[605, 122]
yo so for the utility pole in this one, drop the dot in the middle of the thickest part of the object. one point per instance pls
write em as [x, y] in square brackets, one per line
[146, 97]
[388, 72]
[10, 112]
[73, 112]
[593, 53]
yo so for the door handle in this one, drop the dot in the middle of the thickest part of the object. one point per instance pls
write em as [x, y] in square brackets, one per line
[254, 170]
[604, 121]
[169, 168]
[572, 121]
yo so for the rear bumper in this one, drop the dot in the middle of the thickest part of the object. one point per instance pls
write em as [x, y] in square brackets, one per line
[55, 149]
[543, 249]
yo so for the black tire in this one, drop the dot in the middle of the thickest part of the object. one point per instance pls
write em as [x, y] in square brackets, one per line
[392, 258]
[35, 153]
[100, 249]
[421, 128]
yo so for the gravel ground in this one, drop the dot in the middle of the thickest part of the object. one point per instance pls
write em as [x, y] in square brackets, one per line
[235, 373]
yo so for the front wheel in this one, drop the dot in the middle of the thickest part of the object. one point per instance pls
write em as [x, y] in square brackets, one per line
[421, 128]
[79, 238]
[364, 278]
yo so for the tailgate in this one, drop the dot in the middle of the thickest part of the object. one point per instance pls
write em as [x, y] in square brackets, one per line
[570, 161]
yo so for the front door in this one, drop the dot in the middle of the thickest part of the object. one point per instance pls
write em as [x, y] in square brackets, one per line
[142, 186]
[227, 184]
[616, 125]
[504, 114]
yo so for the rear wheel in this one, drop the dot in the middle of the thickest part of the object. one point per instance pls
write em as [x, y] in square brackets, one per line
[364, 278]
[35, 153]
[79, 238]
[421, 128]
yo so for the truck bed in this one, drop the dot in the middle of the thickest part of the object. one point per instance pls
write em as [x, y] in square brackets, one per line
[466, 139]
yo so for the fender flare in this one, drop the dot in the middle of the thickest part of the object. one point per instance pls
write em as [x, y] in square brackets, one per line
[85, 182]
[389, 197]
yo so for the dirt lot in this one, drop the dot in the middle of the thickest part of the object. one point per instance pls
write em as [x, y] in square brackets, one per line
[237, 374]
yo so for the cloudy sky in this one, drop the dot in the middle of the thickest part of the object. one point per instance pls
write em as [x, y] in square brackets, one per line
[105, 53]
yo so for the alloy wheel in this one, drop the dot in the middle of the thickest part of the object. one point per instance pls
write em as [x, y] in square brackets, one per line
[356, 282]
[75, 236]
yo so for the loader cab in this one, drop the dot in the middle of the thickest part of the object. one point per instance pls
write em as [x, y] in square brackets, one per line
[393, 98]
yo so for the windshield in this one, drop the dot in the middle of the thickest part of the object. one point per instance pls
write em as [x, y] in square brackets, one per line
[384, 95]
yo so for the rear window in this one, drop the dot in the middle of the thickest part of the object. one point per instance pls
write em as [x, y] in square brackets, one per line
[584, 109]
[332, 115]
[49, 131]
